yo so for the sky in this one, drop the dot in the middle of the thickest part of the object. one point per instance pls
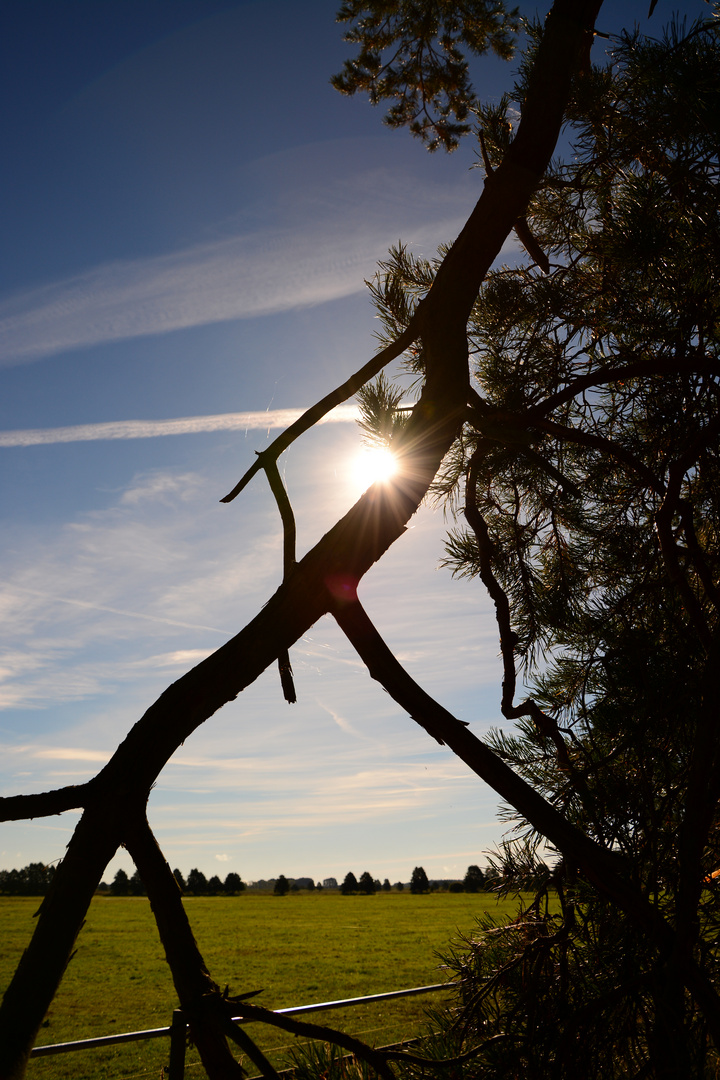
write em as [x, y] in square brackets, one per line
[189, 213]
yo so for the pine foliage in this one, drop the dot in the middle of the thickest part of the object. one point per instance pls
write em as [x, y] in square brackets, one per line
[415, 55]
[587, 474]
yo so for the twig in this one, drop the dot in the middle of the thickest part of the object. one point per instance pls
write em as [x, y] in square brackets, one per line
[287, 517]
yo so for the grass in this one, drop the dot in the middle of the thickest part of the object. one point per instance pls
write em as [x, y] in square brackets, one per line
[302, 948]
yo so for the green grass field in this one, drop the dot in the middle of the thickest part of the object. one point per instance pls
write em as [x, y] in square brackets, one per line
[299, 949]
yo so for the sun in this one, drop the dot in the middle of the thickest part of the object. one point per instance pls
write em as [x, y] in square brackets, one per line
[374, 464]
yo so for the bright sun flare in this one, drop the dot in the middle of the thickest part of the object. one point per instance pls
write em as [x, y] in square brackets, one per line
[374, 464]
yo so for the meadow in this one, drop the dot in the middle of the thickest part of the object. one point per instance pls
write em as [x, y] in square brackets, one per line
[298, 949]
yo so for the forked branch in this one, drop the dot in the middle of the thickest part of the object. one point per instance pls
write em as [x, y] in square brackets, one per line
[321, 408]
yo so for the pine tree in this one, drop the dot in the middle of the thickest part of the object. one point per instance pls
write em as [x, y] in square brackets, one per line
[233, 884]
[197, 882]
[349, 885]
[121, 884]
[366, 884]
[568, 406]
[587, 475]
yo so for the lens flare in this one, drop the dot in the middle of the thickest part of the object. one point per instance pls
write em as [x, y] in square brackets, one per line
[374, 464]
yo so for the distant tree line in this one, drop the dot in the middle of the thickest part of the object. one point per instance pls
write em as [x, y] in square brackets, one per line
[32, 880]
[475, 880]
[197, 884]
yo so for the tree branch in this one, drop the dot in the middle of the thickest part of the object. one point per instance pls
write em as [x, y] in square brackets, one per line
[200, 997]
[603, 375]
[603, 868]
[374, 1058]
[289, 536]
[44, 804]
[336, 397]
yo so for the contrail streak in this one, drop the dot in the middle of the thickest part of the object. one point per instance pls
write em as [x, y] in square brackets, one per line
[186, 425]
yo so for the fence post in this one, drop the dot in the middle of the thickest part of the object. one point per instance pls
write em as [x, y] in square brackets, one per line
[178, 1029]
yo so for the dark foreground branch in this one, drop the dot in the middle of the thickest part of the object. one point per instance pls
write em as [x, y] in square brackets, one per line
[200, 997]
[603, 868]
[361, 1050]
[44, 804]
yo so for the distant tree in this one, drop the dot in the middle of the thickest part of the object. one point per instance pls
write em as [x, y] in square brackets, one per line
[305, 883]
[493, 878]
[386, 886]
[399, 886]
[419, 881]
[281, 886]
[366, 884]
[7, 882]
[197, 882]
[38, 877]
[135, 885]
[180, 880]
[31, 880]
[121, 884]
[456, 887]
[349, 885]
[233, 884]
[214, 885]
[474, 880]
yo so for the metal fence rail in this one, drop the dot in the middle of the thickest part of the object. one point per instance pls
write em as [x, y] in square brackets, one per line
[178, 1029]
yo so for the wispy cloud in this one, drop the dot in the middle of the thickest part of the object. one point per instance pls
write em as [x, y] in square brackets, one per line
[243, 276]
[313, 222]
[52, 598]
[186, 425]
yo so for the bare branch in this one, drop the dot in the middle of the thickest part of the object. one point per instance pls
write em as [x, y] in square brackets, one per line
[200, 997]
[336, 397]
[289, 536]
[374, 1058]
[44, 804]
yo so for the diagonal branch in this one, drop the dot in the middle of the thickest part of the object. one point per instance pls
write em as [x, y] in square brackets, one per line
[200, 997]
[323, 407]
[374, 1058]
[607, 446]
[603, 868]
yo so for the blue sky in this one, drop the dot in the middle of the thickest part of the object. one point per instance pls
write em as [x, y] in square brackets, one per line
[189, 212]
